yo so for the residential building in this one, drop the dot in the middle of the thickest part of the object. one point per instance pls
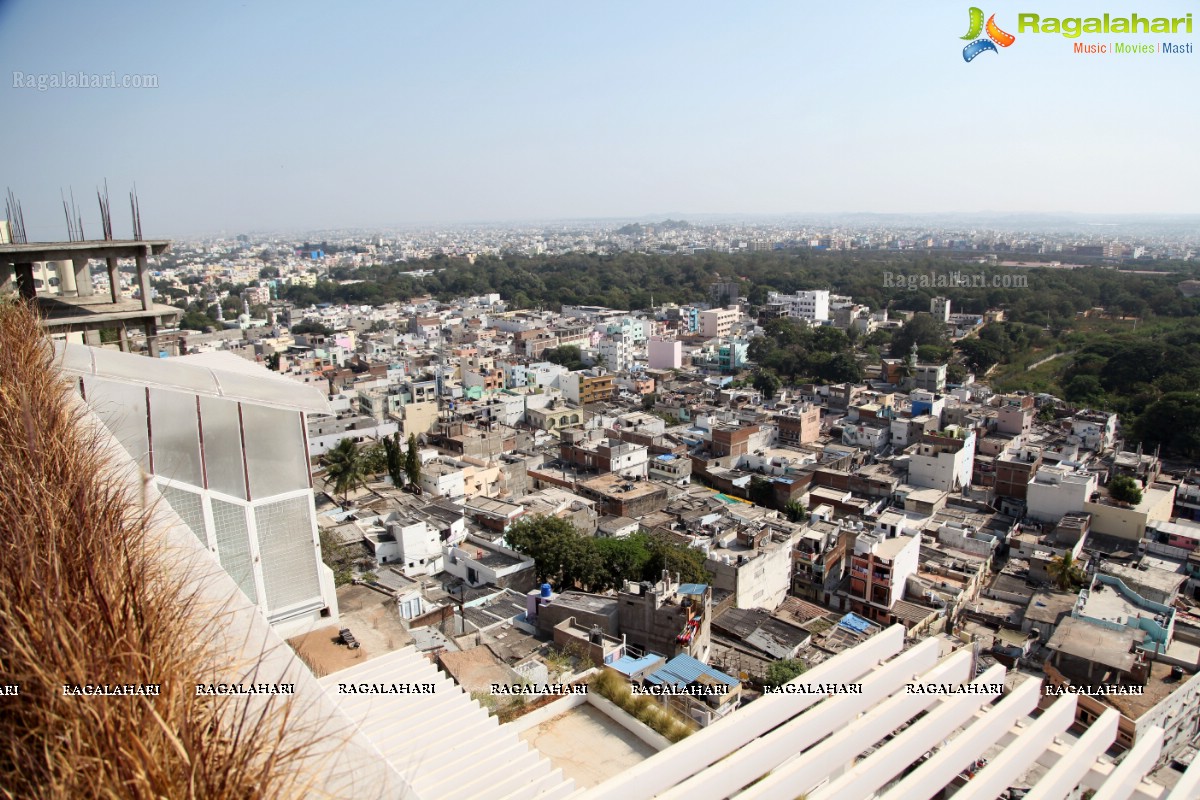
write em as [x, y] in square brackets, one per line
[943, 460]
[584, 387]
[1125, 521]
[666, 618]
[731, 355]
[1056, 491]
[930, 377]
[1014, 470]
[879, 568]
[718, 322]
[1095, 430]
[800, 424]
[755, 564]
[479, 562]
[810, 306]
[663, 353]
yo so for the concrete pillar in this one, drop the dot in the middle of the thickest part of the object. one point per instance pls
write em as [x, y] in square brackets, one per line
[143, 274]
[25, 281]
[8, 278]
[124, 343]
[66, 278]
[152, 337]
[114, 280]
[83, 277]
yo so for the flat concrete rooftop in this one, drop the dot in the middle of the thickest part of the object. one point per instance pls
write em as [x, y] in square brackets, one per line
[93, 248]
[587, 746]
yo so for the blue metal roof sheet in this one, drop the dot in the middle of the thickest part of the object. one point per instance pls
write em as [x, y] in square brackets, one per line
[627, 665]
[683, 670]
[693, 588]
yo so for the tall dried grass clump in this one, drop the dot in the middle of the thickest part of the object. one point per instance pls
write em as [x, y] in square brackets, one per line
[86, 598]
[612, 686]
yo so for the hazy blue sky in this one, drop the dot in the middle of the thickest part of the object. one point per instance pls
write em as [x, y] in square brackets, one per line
[298, 115]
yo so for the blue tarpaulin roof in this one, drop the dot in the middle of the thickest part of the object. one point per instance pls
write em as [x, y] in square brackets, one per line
[854, 622]
[692, 588]
[683, 670]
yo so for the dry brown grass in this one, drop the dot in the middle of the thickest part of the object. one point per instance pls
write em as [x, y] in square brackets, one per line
[85, 598]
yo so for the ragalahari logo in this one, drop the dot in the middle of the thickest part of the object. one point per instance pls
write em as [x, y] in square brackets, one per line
[995, 36]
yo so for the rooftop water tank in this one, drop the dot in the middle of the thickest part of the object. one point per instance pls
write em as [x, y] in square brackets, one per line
[546, 590]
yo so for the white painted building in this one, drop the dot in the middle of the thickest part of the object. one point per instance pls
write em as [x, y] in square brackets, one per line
[616, 352]
[943, 461]
[1057, 490]
[1095, 430]
[867, 434]
[480, 562]
[419, 545]
[664, 353]
[811, 306]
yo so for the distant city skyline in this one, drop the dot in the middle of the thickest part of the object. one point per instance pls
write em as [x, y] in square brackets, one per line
[412, 114]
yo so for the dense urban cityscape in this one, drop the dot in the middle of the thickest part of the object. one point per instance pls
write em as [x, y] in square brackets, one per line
[676, 512]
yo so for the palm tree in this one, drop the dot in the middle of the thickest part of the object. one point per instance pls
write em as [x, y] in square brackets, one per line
[344, 468]
[1065, 573]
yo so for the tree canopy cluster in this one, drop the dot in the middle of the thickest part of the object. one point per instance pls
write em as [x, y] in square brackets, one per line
[795, 351]
[567, 559]
[632, 280]
[1149, 376]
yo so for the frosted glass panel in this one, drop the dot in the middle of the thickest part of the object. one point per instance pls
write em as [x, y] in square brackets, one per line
[175, 437]
[275, 451]
[223, 446]
[123, 410]
[233, 545]
[189, 507]
[289, 558]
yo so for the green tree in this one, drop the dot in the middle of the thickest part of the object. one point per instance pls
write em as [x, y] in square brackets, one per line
[337, 558]
[1064, 572]
[567, 355]
[766, 382]
[761, 492]
[795, 511]
[412, 463]
[558, 550]
[314, 328]
[374, 458]
[1125, 489]
[344, 468]
[1173, 422]
[921, 329]
[621, 559]
[784, 670]
[676, 558]
[394, 459]
[1085, 389]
